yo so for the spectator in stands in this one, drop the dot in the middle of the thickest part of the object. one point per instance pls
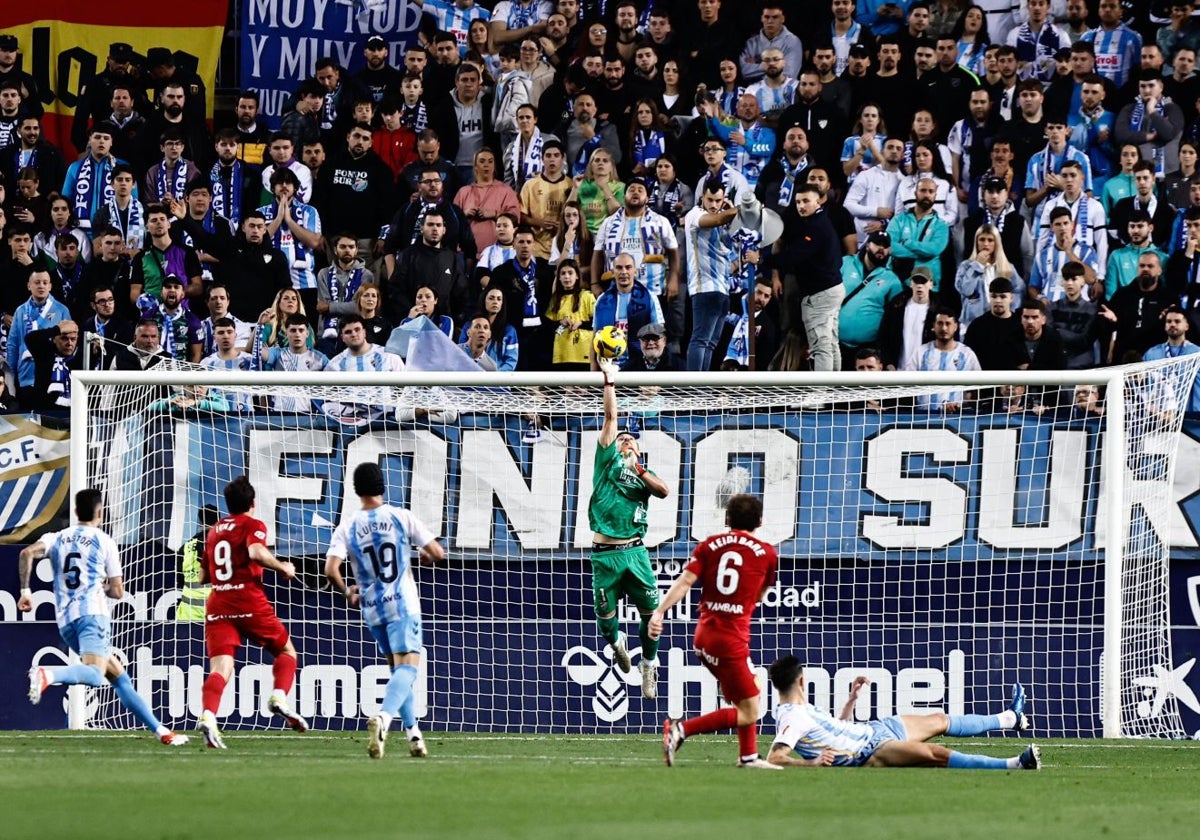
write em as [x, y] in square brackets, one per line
[354, 192]
[253, 138]
[1177, 185]
[393, 141]
[822, 124]
[312, 155]
[379, 325]
[773, 35]
[236, 186]
[66, 275]
[1123, 262]
[15, 271]
[108, 268]
[1153, 123]
[427, 262]
[1161, 213]
[999, 212]
[864, 147]
[927, 167]
[123, 212]
[39, 312]
[869, 286]
[775, 88]
[871, 199]
[1087, 215]
[709, 268]
[94, 104]
[146, 350]
[295, 229]
[407, 226]
[713, 149]
[480, 347]
[251, 264]
[218, 302]
[628, 298]
[842, 222]
[1121, 185]
[1037, 41]
[113, 331]
[523, 156]
[1137, 309]
[271, 331]
[652, 342]
[809, 281]
[530, 62]
[337, 284]
[1175, 325]
[174, 114]
[1064, 248]
[163, 257]
[282, 153]
[584, 134]
[1043, 174]
[778, 181]
[908, 320]
[708, 39]
[641, 232]
[485, 199]
[543, 197]
[1090, 130]
[89, 179]
[571, 307]
[527, 283]
[1077, 320]
[30, 149]
[296, 355]
[986, 264]
[500, 251]
[1043, 345]
[919, 236]
[1027, 135]
[170, 175]
[227, 355]
[197, 225]
[377, 76]
[426, 303]
[996, 335]
[513, 20]
[646, 140]
[945, 353]
[598, 190]
[749, 144]
[28, 206]
[181, 332]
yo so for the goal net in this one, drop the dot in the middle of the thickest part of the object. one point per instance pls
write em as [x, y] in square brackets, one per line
[944, 553]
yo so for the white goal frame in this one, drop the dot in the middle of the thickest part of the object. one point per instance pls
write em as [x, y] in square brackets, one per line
[1115, 506]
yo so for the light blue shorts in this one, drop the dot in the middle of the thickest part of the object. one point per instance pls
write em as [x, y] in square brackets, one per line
[400, 636]
[887, 729]
[89, 634]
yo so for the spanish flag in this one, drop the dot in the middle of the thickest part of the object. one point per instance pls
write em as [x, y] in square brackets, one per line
[64, 43]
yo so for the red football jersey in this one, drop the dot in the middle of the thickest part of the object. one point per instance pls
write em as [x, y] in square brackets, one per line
[733, 567]
[227, 553]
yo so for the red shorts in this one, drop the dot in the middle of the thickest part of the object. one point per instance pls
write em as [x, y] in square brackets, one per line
[730, 666]
[229, 621]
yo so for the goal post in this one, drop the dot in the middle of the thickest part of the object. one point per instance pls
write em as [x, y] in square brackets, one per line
[944, 555]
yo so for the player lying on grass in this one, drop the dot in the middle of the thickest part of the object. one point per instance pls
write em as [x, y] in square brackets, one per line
[87, 568]
[734, 569]
[621, 491]
[377, 539]
[822, 740]
[235, 555]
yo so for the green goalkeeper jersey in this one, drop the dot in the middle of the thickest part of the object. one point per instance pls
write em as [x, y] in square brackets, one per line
[619, 496]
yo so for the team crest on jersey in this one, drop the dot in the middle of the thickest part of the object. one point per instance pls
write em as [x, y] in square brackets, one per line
[587, 668]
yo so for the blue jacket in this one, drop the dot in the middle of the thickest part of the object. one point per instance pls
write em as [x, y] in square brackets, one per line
[921, 241]
[29, 318]
[643, 308]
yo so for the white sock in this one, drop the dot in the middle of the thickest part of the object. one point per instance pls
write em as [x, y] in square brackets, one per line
[385, 721]
[750, 757]
[1007, 718]
[278, 695]
[413, 732]
[1014, 763]
[161, 731]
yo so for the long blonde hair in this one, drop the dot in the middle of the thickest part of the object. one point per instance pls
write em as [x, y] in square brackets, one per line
[999, 259]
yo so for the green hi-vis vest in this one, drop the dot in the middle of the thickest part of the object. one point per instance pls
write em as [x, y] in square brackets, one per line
[191, 604]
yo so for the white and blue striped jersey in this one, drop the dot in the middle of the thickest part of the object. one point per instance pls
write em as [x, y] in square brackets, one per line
[301, 261]
[494, 255]
[371, 402]
[282, 358]
[929, 357]
[454, 19]
[83, 558]
[243, 361]
[518, 16]
[375, 359]
[1048, 265]
[774, 98]
[1118, 52]
[810, 731]
[377, 542]
[708, 254]
[647, 235]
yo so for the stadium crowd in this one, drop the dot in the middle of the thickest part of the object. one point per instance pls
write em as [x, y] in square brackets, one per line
[999, 185]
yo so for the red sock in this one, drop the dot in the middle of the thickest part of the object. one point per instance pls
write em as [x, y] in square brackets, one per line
[717, 721]
[748, 739]
[214, 687]
[284, 672]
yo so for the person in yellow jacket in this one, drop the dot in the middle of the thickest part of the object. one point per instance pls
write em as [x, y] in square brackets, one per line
[191, 602]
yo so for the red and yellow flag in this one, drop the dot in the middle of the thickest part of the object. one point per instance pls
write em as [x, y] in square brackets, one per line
[64, 43]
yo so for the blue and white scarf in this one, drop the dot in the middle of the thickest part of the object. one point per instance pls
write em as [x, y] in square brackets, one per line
[744, 240]
[337, 294]
[92, 175]
[664, 198]
[520, 16]
[60, 381]
[529, 163]
[528, 278]
[648, 146]
[579, 167]
[1137, 123]
[131, 226]
[329, 110]
[227, 201]
[178, 181]
[790, 174]
[414, 117]
[70, 280]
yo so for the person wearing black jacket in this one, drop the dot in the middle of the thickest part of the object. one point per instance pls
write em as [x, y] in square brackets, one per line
[354, 191]
[55, 352]
[526, 282]
[252, 267]
[894, 343]
[427, 263]
[200, 227]
[48, 160]
[1044, 351]
[811, 284]
[112, 331]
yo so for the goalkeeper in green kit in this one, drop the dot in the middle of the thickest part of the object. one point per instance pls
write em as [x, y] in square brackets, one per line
[621, 491]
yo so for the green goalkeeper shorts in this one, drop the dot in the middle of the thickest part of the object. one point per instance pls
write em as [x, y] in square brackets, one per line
[623, 571]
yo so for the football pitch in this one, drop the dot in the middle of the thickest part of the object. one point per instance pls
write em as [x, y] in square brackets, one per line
[275, 785]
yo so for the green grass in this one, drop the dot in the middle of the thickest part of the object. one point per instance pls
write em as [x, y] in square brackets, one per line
[274, 785]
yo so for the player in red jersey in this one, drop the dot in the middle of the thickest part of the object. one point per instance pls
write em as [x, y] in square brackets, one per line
[734, 569]
[234, 557]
